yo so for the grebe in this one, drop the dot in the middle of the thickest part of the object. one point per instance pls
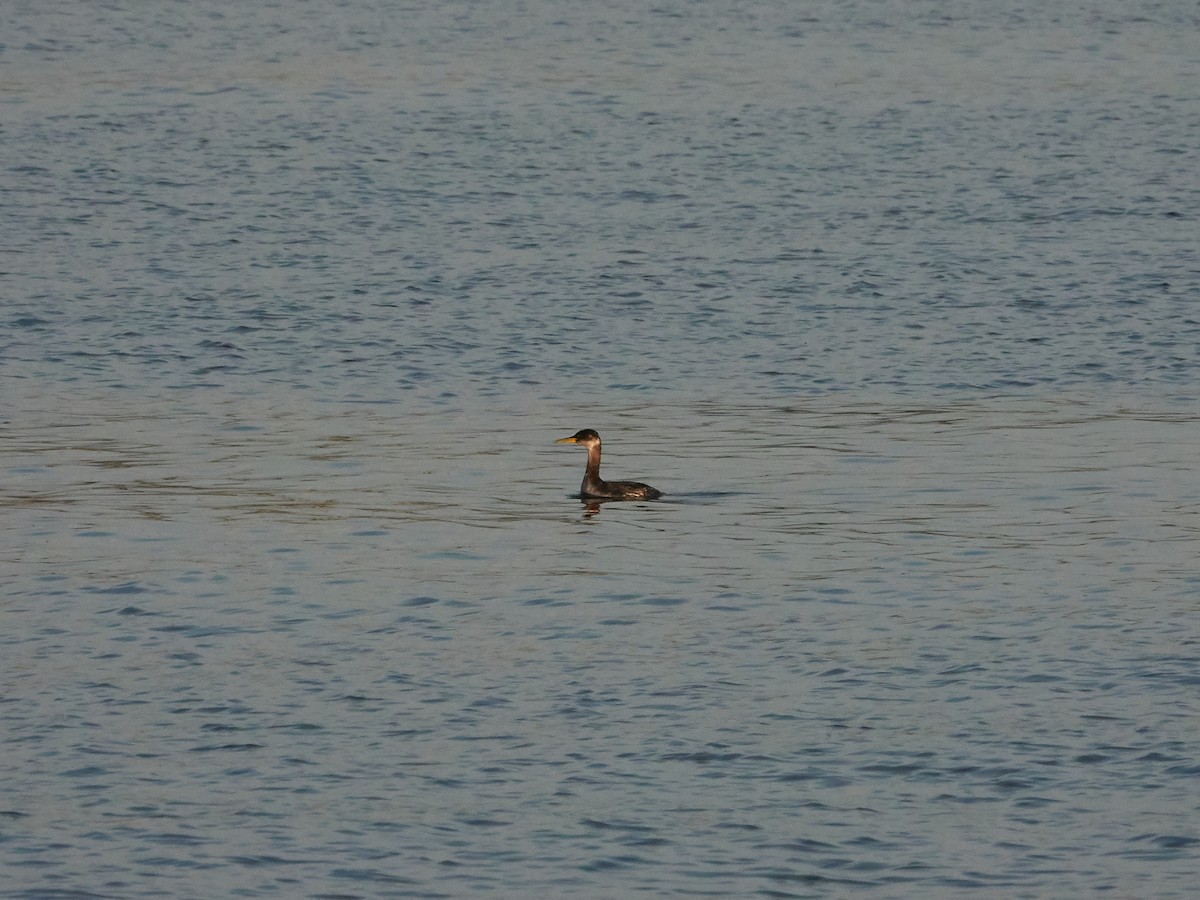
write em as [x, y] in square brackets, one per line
[594, 487]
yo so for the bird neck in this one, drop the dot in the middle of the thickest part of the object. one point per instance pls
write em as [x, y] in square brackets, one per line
[593, 462]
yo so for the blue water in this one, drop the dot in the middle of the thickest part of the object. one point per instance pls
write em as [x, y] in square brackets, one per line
[897, 303]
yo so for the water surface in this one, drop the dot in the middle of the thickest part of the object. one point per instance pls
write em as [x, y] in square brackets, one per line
[897, 305]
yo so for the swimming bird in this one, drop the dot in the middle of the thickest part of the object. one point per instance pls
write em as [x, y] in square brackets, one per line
[594, 487]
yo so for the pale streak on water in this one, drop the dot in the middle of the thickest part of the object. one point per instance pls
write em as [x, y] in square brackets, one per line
[897, 304]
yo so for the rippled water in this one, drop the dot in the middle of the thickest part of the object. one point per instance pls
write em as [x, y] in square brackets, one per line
[896, 304]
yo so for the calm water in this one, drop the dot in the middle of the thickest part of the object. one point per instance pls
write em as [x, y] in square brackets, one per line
[898, 304]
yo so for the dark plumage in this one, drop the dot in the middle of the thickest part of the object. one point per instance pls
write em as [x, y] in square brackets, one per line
[594, 487]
